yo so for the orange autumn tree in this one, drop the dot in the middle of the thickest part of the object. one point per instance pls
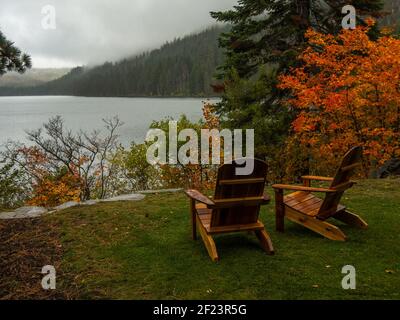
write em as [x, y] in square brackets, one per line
[52, 191]
[49, 188]
[347, 92]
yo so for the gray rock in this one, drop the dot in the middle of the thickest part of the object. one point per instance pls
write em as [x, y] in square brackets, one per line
[34, 212]
[90, 202]
[67, 205]
[391, 167]
[24, 212]
[161, 191]
[126, 197]
[31, 210]
[7, 215]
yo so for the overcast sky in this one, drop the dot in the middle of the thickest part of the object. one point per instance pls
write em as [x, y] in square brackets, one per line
[93, 31]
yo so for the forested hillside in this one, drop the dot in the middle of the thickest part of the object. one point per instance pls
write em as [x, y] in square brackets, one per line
[392, 7]
[183, 67]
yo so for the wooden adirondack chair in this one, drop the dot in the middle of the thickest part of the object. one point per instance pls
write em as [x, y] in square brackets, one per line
[234, 208]
[304, 208]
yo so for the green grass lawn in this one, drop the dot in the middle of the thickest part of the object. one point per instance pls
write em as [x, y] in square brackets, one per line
[143, 250]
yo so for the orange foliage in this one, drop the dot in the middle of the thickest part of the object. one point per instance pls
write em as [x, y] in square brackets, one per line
[348, 93]
[35, 160]
[51, 192]
[49, 189]
[211, 119]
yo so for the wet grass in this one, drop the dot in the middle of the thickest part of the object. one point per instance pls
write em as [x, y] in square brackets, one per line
[143, 250]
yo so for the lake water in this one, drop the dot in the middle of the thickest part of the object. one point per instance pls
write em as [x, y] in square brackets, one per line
[18, 114]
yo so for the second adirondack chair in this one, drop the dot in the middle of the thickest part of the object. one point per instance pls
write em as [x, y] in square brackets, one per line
[304, 208]
[235, 207]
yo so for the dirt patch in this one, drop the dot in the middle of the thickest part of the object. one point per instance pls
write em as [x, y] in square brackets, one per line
[25, 247]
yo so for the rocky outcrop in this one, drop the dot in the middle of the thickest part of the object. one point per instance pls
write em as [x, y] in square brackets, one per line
[35, 212]
[126, 197]
[24, 212]
[160, 191]
[66, 205]
[391, 167]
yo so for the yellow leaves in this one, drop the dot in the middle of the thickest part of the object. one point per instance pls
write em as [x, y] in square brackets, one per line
[370, 22]
[51, 192]
[210, 116]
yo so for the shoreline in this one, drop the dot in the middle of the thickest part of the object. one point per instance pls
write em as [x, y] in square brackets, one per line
[105, 97]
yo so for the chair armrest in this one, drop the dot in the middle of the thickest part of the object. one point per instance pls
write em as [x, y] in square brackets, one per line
[198, 196]
[317, 178]
[301, 188]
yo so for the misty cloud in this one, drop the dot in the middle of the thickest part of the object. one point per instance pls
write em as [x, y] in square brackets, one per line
[93, 31]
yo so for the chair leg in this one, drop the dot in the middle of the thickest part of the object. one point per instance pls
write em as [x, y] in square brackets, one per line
[279, 211]
[351, 219]
[193, 216]
[265, 241]
[322, 227]
[208, 242]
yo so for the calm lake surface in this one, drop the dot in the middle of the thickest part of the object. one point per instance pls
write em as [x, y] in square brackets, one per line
[18, 114]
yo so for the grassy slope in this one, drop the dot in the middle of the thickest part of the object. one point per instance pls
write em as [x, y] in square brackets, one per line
[143, 250]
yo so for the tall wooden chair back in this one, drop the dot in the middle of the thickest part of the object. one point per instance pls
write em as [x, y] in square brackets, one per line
[341, 182]
[238, 198]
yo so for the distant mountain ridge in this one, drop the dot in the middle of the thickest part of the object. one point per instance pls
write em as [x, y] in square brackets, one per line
[32, 77]
[183, 67]
[392, 7]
